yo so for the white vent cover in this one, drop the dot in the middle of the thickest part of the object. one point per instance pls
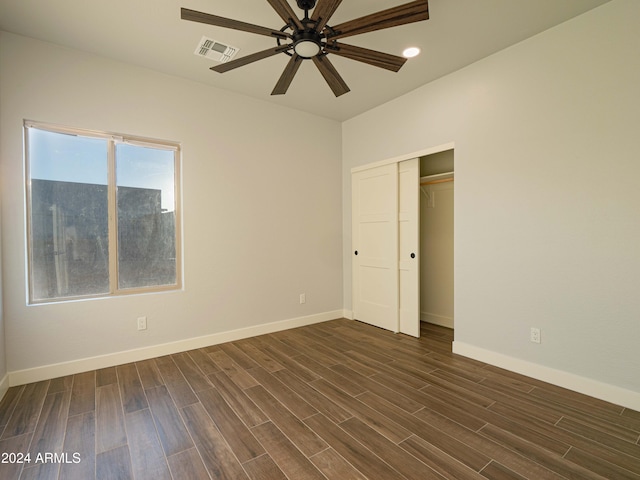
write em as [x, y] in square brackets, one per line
[214, 50]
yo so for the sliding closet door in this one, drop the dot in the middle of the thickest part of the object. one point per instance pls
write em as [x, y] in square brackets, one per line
[408, 249]
[375, 246]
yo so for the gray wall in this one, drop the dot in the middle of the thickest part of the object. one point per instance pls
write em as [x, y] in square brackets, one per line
[547, 217]
[261, 225]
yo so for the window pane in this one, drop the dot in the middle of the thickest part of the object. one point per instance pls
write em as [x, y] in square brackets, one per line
[69, 231]
[145, 180]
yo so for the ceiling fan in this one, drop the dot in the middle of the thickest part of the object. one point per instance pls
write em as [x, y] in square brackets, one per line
[313, 38]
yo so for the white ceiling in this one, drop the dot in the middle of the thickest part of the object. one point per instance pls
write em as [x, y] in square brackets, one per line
[150, 33]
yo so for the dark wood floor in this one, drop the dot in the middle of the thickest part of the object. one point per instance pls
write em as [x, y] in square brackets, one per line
[337, 400]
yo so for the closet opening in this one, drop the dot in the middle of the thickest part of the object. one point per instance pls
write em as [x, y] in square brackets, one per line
[436, 240]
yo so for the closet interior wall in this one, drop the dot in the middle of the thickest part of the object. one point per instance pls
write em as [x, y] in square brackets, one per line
[436, 239]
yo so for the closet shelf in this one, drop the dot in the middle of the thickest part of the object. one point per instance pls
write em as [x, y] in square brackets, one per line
[437, 178]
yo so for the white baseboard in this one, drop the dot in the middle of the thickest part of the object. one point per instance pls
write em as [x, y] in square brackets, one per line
[603, 391]
[348, 314]
[441, 320]
[4, 386]
[46, 372]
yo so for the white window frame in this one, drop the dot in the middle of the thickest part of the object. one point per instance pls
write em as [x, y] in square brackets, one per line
[112, 140]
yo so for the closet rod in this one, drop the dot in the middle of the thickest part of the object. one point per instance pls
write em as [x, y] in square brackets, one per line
[431, 182]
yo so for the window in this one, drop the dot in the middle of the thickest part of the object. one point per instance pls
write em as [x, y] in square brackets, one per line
[103, 214]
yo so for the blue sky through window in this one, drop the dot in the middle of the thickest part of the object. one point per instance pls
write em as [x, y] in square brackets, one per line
[72, 158]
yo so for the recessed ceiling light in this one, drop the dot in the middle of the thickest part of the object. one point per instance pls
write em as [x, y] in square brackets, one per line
[411, 52]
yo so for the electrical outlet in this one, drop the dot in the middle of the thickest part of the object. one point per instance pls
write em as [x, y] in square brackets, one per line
[303, 298]
[535, 335]
[142, 323]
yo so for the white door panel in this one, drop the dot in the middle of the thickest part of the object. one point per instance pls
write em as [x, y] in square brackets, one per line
[409, 232]
[375, 246]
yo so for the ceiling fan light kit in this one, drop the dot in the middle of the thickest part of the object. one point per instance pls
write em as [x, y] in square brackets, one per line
[307, 44]
[312, 38]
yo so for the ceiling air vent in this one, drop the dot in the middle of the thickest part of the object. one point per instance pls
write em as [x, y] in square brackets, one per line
[214, 50]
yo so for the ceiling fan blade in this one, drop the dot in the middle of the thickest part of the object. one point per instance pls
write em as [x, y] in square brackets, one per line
[287, 14]
[209, 19]
[287, 76]
[371, 57]
[323, 11]
[331, 75]
[408, 13]
[254, 57]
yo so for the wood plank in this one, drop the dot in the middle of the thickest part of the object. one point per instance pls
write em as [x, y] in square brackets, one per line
[27, 410]
[244, 407]
[438, 460]
[314, 398]
[8, 404]
[290, 460]
[147, 457]
[334, 467]
[106, 376]
[438, 438]
[464, 413]
[52, 423]
[114, 464]
[495, 471]
[194, 376]
[351, 450]
[149, 374]
[287, 361]
[303, 438]
[133, 397]
[60, 384]
[187, 465]
[241, 440]
[593, 448]
[83, 393]
[451, 384]
[311, 346]
[476, 442]
[234, 371]
[235, 353]
[110, 432]
[264, 468]
[372, 417]
[175, 382]
[385, 369]
[169, 425]
[530, 450]
[218, 458]
[41, 471]
[251, 348]
[605, 433]
[379, 389]
[393, 383]
[297, 405]
[399, 459]
[80, 439]
[203, 361]
[599, 467]
[341, 382]
[14, 444]
[575, 400]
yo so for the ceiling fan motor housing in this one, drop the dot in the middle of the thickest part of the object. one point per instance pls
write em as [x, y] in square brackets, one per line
[306, 4]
